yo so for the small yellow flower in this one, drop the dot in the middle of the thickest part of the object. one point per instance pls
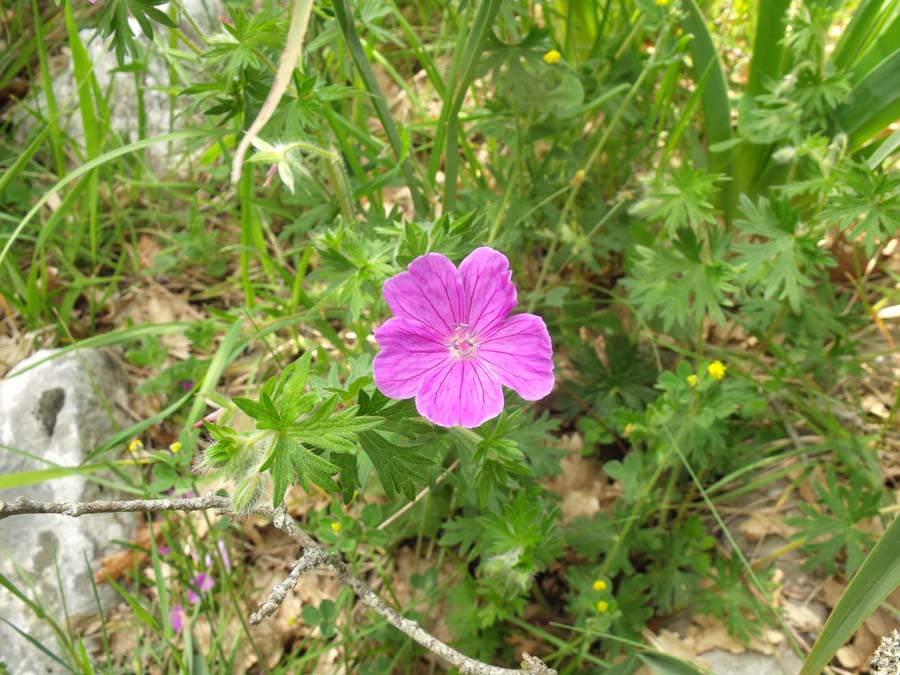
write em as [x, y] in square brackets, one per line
[578, 178]
[662, 3]
[716, 370]
[602, 606]
[600, 585]
[552, 57]
[175, 447]
[692, 380]
[335, 527]
[629, 429]
[135, 445]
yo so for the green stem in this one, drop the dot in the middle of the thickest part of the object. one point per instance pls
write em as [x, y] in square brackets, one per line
[358, 54]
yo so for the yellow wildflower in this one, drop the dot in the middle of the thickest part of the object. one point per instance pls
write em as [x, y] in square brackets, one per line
[578, 178]
[335, 527]
[552, 57]
[135, 445]
[175, 447]
[692, 380]
[599, 585]
[716, 370]
[602, 606]
[629, 429]
[662, 3]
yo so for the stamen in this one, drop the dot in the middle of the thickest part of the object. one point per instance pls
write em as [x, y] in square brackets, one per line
[463, 344]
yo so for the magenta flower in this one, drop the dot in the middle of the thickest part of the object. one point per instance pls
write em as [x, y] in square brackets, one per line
[177, 617]
[204, 584]
[451, 342]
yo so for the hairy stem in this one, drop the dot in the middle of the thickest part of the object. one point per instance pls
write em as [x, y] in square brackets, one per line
[300, 14]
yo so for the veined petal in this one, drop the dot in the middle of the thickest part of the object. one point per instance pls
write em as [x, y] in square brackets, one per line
[520, 353]
[462, 393]
[430, 293]
[408, 355]
[489, 291]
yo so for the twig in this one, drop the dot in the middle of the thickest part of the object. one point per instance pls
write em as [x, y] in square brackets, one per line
[314, 557]
[75, 509]
[310, 560]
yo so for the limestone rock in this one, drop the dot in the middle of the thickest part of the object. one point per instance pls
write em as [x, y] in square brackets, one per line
[54, 414]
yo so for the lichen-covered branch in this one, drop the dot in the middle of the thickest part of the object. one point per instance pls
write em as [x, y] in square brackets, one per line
[314, 557]
[75, 509]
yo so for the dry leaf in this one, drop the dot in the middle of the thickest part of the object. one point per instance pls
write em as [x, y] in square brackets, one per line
[113, 566]
[803, 617]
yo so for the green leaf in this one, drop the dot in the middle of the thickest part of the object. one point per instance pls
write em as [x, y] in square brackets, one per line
[866, 203]
[877, 577]
[873, 103]
[399, 467]
[311, 467]
[774, 253]
[716, 107]
[675, 283]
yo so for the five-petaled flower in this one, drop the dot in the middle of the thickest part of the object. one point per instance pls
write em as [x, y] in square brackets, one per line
[552, 57]
[451, 342]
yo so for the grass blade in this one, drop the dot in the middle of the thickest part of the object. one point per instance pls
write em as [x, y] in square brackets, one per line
[877, 578]
[716, 108]
[862, 29]
[873, 103]
[358, 54]
[89, 166]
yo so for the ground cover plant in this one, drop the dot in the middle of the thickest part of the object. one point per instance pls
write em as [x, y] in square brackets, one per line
[565, 327]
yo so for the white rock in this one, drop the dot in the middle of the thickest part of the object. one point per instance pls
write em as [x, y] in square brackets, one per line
[54, 414]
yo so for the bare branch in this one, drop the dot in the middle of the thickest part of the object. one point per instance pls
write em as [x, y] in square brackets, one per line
[314, 557]
[310, 560]
[23, 506]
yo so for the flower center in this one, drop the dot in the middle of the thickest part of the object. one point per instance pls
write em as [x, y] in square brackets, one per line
[463, 343]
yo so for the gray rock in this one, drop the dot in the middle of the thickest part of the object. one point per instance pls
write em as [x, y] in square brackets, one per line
[54, 414]
[162, 115]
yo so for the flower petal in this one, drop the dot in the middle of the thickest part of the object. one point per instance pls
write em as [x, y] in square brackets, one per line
[463, 392]
[409, 354]
[491, 296]
[520, 353]
[430, 293]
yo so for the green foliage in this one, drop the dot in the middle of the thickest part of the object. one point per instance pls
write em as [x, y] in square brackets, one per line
[683, 283]
[833, 532]
[707, 250]
[113, 22]
[777, 251]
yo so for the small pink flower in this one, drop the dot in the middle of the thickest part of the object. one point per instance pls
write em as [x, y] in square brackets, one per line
[212, 417]
[203, 583]
[177, 618]
[223, 553]
[164, 550]
[451, 343]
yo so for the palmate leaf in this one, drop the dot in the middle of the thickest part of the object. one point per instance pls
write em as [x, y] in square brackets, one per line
[329, 430]
[867, 204]
[775, 252]
[113, 21]
[680, 287]
[290, 458]
[399, 467]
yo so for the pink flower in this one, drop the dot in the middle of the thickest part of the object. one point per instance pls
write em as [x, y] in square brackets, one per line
[176, 618]
[204, 584]
[452, 343]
